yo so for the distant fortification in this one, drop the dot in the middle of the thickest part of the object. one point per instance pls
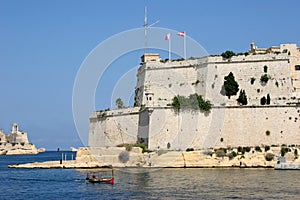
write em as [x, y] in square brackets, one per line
[15, 142]
[269, 77]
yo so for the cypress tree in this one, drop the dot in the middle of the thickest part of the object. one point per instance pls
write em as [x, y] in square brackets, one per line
[230, 85]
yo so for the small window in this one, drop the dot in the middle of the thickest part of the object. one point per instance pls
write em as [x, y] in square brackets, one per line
[150, 98]
[297, 67]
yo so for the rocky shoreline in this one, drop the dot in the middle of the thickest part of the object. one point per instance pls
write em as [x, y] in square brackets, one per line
[119, 157]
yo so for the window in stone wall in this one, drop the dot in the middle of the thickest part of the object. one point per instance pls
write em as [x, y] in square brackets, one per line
[297, 67]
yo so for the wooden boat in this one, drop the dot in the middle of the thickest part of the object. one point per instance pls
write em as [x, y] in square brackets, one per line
[101, 177]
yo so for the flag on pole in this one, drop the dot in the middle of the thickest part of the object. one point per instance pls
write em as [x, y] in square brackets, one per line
[168, 36]
[182, 34]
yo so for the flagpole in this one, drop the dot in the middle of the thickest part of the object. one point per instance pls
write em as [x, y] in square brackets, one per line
[170, 48]
[184, 45]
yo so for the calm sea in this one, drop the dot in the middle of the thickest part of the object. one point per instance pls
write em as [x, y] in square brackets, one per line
[140, 184]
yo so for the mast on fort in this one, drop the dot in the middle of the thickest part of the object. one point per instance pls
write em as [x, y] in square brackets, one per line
[146, 26]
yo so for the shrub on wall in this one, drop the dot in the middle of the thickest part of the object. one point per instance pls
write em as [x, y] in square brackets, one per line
[269, 156]
[284, 150]
[242, 100]
[267, 148]
[194, 101]
[247, 149]
[257, 148]
[263, 101]
[231, 155]
[220, 153]
[268, 99]
[227, 54]
[264, 78]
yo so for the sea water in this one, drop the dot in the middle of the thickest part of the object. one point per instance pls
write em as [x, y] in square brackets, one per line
[144, 184]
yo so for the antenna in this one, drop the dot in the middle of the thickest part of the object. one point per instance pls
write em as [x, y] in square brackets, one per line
[146, 26]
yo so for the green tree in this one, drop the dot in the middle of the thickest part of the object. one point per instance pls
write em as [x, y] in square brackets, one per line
[230, 85]
[242, 100]
[263, 101]
[227, 54]
[268, 99]
[119, 103]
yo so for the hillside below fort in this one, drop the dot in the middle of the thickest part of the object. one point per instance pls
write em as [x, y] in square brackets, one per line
[264, 111]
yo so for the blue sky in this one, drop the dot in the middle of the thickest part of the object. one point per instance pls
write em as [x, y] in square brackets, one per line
[43, 43]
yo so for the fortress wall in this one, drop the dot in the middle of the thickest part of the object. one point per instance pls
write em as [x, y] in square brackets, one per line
[237, 126]
[243, 126]
[249, 126]
[205, 76]
[114, 128]
[243, 71]
[165, 84]
[162, 127]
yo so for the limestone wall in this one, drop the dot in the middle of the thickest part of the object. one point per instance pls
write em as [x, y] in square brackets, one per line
[111, 128]
[206, 77]
[237, 126]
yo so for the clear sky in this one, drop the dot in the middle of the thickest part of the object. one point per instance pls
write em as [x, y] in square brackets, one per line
[43, 44]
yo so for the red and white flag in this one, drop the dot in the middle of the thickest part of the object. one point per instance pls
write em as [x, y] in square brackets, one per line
[167, 36]
[182, 34]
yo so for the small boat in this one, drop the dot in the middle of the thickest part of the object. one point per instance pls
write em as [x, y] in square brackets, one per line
[283, 165]
[101, 177]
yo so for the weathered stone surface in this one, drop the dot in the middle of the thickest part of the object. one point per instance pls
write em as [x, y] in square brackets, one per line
[180, 159]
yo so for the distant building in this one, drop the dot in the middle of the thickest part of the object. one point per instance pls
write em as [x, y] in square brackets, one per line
[16, 142]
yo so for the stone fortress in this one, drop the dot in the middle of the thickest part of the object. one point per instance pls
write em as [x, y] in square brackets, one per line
[16, 142]
[228, 124]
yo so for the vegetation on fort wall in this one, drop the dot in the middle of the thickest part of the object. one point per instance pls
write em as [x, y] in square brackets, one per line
[194, 101]
[230, 85]
[228, 54]
[120, 103]
[284, 150]
[269, 157]
[242, 100]
[128, 147]
[265, 101]
[264, 78]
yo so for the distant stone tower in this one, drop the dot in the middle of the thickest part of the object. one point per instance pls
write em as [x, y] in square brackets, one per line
[15, 128]
[252, 47]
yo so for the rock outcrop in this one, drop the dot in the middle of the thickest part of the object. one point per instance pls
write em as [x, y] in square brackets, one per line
[119, 157]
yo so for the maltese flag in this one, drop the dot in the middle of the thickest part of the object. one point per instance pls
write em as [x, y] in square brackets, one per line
[168, 36]
[182, 34]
